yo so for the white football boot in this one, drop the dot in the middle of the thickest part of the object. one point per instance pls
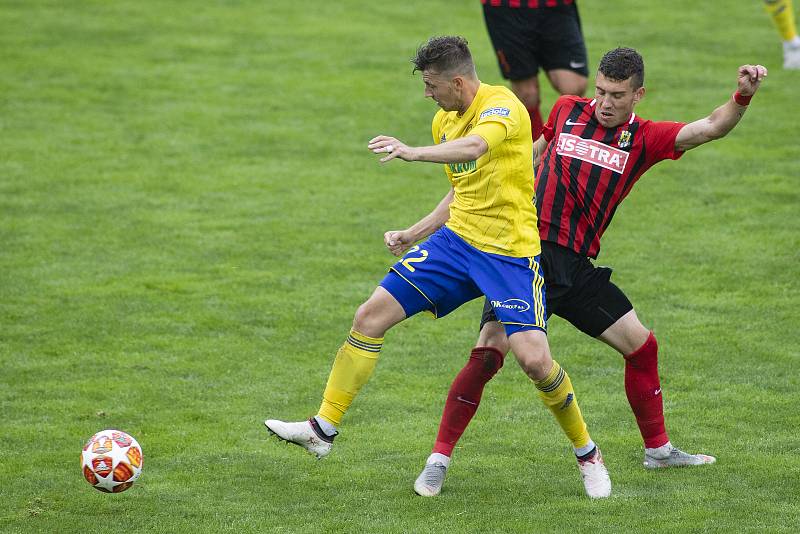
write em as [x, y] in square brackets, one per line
[430, 481]
[306, 434]
[670, 456]
[595, 476]
[791, 54]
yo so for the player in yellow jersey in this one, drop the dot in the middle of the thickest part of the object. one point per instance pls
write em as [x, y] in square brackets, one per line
[488, 245]
[782, 14]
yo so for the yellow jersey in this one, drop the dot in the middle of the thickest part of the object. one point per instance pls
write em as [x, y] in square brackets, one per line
[493, 208]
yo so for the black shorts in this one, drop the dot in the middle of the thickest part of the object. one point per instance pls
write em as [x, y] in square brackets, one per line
[577, 291]
[526, 39]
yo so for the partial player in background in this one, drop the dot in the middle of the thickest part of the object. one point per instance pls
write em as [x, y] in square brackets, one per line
[488, 246]
[532, 34]
[591, 154]
[782, 14]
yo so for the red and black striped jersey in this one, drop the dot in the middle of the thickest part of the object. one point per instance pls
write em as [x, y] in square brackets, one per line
[587, 170]
[533, 4]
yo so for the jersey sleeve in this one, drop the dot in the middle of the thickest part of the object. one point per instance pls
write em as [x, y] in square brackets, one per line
[660, 140]
[501, 110]
[492, 132]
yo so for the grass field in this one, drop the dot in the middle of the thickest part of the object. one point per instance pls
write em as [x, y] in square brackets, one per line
[189, 218]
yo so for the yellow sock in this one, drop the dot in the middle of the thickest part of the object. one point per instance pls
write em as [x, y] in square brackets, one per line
[352, 367]
[557, 394]
[782, 14]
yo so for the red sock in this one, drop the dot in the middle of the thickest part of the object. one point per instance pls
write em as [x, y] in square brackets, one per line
[465, 396]
[536, 122]
[643, 389]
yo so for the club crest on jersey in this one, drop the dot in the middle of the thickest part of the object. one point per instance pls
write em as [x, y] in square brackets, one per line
[624, 139]
[592, 151]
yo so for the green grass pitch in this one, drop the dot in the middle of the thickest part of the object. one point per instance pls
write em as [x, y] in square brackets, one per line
[189, 217]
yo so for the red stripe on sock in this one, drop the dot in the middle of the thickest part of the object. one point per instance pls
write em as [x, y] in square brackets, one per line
[536, 122]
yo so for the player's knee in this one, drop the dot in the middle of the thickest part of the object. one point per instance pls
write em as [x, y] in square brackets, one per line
[368, 321]
[527, 91]
[535, 365]
[530, 99]
[639, 336]
[532, 353]
[493, 335]
[568, 82]
[627, 334]
[572, 87]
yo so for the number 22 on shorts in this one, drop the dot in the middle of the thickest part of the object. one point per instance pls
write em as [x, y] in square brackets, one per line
[408, 260]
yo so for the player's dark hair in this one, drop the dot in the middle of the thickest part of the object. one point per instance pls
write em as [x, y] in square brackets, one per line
[622, 63]
[444, 54]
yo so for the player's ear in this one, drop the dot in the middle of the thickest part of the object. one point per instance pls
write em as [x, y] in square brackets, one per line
[638, 95]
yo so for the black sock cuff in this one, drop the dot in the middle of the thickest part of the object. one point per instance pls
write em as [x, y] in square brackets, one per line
[319, 432]
[589, 455]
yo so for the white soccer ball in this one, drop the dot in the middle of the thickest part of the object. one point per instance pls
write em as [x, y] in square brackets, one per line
[111, 461]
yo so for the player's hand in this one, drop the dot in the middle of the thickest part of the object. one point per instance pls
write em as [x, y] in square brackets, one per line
[383, 144]
[750, 77]
[398, 241]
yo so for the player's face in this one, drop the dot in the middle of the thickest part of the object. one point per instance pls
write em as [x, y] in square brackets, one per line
[442, 89]
[615, 100]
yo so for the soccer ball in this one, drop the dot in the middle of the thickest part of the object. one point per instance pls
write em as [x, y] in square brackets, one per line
[111, 461]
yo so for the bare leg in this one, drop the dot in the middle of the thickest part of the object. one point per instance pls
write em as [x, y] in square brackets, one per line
[567, 82]
[528, 92]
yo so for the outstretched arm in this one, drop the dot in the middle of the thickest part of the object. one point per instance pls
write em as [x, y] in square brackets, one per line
[398, 241]
[459, 150]
[724, 118]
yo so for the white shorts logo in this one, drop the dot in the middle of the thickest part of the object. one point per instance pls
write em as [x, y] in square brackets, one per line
[592, 151]
[517, 305]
